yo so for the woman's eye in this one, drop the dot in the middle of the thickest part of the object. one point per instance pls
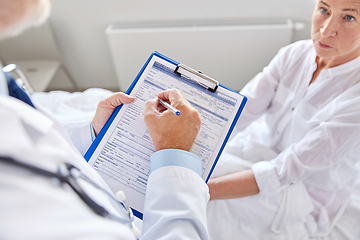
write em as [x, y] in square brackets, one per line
[323, 10]
[350, 18]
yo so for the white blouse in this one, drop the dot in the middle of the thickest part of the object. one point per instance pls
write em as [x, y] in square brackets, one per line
[308, 133]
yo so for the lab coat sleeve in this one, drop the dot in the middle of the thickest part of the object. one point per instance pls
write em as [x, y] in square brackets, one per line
[80, 133]
[175, 205]
[332, 141]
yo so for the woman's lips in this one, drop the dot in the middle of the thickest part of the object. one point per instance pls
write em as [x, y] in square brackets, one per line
[322, 45]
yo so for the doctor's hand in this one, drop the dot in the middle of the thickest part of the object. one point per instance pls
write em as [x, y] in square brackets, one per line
[168, 130]
[106, 107]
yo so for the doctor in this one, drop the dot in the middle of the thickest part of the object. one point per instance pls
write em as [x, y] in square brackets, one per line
[291, 169]
[40, 200]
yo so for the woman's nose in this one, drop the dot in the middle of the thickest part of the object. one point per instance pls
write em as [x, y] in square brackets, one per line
[329, 28]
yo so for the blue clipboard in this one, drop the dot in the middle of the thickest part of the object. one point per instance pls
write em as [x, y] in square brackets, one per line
[97, 140]
[210, 86]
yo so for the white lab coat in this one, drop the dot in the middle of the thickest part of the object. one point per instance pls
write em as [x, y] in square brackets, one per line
[302, 142]
[36, 207]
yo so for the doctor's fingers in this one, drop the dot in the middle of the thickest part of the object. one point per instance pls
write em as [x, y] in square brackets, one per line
[106, 107]
[174, 97]
[152, 108]
[168, 130]
[188, 113]
[115, 100]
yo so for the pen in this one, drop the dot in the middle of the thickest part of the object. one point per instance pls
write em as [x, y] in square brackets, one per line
[169, 107]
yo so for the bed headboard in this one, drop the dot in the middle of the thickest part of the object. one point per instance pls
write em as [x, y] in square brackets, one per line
[231, 51]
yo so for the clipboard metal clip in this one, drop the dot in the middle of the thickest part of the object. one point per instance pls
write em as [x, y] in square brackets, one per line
[197, 76]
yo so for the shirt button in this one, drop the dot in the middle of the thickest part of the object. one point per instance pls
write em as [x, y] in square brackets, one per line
[292, 109]
[278, 132]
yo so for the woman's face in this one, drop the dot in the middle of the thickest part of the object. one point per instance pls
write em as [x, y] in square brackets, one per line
[336, 30]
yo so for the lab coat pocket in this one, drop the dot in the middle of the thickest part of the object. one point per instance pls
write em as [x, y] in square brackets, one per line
[293, 212]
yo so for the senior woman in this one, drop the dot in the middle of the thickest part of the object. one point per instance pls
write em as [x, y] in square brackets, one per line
[290, 169]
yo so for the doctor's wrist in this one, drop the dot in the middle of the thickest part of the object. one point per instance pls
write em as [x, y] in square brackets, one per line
[176, 157]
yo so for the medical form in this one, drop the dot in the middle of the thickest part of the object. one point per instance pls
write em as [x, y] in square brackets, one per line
[121, 153]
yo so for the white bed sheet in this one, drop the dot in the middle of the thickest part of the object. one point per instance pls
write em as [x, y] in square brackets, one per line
[74, 106]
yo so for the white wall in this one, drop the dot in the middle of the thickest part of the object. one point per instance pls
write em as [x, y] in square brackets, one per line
[78, 26]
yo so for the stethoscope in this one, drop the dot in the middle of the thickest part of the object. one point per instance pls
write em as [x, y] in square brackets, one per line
[69, 174]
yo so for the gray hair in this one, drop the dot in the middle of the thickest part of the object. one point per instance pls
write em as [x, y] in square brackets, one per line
[18, 15]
